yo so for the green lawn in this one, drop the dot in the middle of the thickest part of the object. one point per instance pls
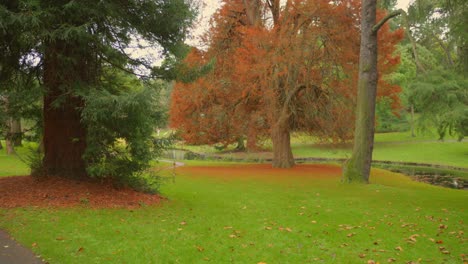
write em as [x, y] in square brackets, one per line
[11, 164]
[242, 214]
[395, 146]
[443, 153]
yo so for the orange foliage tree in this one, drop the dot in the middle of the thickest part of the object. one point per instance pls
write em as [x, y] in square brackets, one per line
[278, 69]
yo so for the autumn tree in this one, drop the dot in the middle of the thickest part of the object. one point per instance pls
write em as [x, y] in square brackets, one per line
[75, 40]
[210, 109]
[298, 64]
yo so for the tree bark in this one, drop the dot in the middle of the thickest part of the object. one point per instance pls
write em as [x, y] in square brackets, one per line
[15, 130]
[9, 146]
[357, 168]
[64, 135]
[281, 139]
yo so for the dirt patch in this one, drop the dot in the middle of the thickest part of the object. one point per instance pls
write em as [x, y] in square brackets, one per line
[265, 171]
[22, 191]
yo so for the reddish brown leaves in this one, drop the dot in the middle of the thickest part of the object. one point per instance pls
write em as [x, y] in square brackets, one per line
[60, 192]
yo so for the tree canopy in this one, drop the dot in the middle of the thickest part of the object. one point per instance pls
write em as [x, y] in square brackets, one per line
[278, 69]
[73, 43]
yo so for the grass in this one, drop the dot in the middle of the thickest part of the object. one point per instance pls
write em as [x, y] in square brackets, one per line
[395, 146]
[442, 153]
[11, 164]
[244, 214]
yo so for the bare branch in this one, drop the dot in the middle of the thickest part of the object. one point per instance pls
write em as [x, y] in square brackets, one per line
[393, 14]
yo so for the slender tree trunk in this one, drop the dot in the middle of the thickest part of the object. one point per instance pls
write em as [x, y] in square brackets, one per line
[281, 139]
[10, 148]
[1, 146]
[357, 168]
[9, 145]
[15, 129]
[240, 144]
[252, 136]
[64, 134]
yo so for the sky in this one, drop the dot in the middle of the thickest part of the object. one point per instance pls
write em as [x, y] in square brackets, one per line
[210, 6]
[207, 10]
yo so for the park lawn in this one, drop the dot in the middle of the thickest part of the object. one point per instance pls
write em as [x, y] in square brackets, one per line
[12, 165]
[252, 213]
[395, 146]
[442, 153]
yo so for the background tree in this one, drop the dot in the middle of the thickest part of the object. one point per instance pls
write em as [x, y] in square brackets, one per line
[292, 68]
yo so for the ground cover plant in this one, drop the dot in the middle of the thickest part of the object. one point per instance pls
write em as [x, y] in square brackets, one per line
[250, 213]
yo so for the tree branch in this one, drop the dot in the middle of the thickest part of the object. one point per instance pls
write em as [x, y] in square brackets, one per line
[393, 14]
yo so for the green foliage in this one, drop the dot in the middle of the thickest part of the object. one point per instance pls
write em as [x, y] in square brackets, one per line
[441, 96]
[121, 118]
[33, 159]
[387, 120]
[174, 68]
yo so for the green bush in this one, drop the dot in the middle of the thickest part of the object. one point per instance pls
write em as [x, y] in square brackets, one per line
[121, 121]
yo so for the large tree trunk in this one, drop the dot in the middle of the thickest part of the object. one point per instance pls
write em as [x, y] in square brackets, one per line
[357, 168]
[282, 153]
[15, 131]
[64, 135]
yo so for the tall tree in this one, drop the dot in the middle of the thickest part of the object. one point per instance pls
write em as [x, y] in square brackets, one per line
[357, 168]
[75, 40]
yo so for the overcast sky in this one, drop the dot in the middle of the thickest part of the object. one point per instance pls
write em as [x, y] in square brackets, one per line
[210, 7]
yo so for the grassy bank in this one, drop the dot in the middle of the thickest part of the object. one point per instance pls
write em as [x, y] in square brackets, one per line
[253, 214]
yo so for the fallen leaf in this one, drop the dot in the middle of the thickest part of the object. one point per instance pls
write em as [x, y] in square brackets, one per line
[288, 229]
[232, 236]
[6, 246]
[60, 238]
[442, 226]
[313, 222]
[362, 255]
[262, 263]
[80, 250]
[183, 223]
[228, 227]
[34, 244]
[350, 234]
[439, 242]
[200, 248]
[399, 248]
[370, 261]
[390, 260]
[268, 227]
